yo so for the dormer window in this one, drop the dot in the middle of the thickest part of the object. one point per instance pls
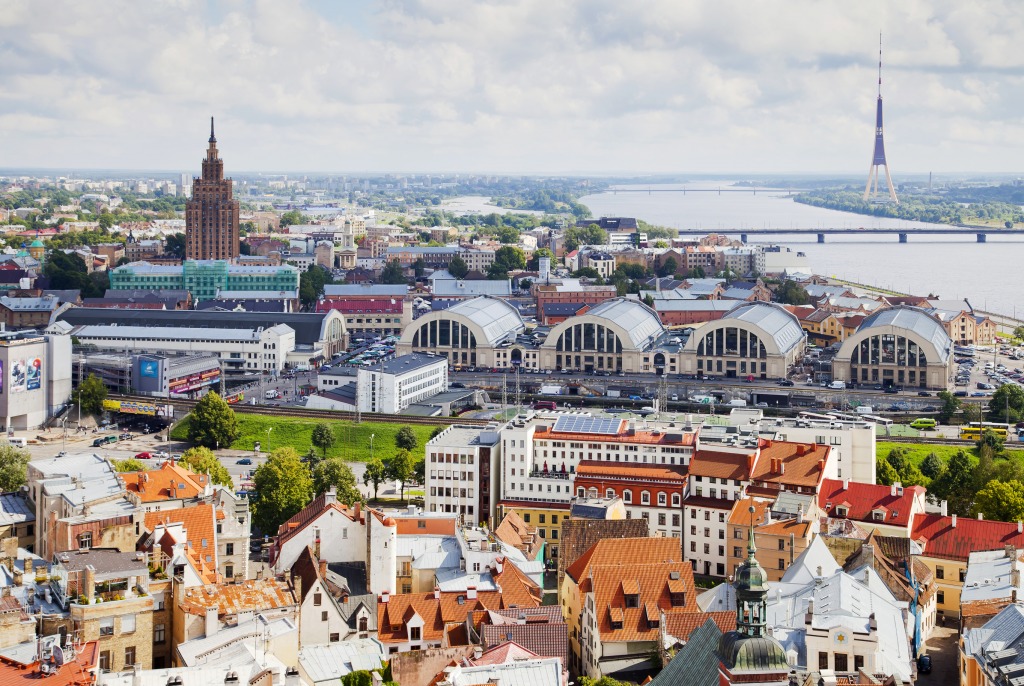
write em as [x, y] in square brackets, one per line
[841, 511]
[878, 516]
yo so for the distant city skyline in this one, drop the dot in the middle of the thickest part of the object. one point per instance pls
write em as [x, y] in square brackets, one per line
[585, 87]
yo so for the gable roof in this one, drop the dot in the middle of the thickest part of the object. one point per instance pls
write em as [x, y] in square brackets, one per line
[721, 464]
[940, 538]
[696, 663]
[580, 535]
[617, 551]
[862, 500]
[198, 523]
[651, 584]
[169, 481]
[520, 535]
[793, 464]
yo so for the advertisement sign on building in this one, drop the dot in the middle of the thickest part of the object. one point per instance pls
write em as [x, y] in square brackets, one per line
[35, 373]
[19, 376]
[149, 368]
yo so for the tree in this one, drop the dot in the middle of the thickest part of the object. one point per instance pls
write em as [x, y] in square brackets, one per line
[971, 412]
[334, 472]
[174, 245]
[698, 272]
[591, 234]
[1001, 500]
[393, 273]
[400, 468]
[458, 267]
[907, 472]
[13, 467]
[989, 439]
[291, 217]
[508, 235]
[603, 681]
[932, 466]
[669, 267]
[534, 263]
[506, 259]
[406, 439]
[885, 474]
[525, 284]
[202, 461]
[376, 473]
[437, 430]
[1018, 333]
[950, 406]
[323, 437]
[311, 284]
[1007, 404]
[90, 394]
[128, 465]
[954, 484]
[213, 423]
[586, 273]
[792, 293]
[418, 267]
[283, 487]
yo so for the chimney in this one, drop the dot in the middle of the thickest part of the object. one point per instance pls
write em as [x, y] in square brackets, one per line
[942, 508]
[768, 515]
[800, 515]
[136, 676]
[331, 496]
[355, 510]
[846, 484]
[892, 491]
[323, 569]
[471, 592]
[1020, 527]
[499, 565]
[90, 583]
[211, 621]
[437, 593]
[782, 467]
[1015, 577]
[981, 516]
[477, 652]
[385, 596]
[953, 523]
[28, 565]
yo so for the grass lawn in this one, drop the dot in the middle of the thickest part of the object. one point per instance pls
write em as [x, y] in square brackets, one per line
[352, 441]
[918, 451]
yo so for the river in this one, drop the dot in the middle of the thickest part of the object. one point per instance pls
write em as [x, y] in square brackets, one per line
[950, 267]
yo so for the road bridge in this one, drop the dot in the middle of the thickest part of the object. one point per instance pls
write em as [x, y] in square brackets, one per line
[904, 234]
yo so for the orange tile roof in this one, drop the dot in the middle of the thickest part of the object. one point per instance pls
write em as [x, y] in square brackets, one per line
[681, 624]
[793, 464]
[198, 522]
[515, 532]
[438, 526]
[740, 514]
[625, 551]
[721, 465]
[651, 581]
[77, 672]
[168, 482]
[230, 599]
[862, 499]
[639, 437]
[637, 471]
[785, 527]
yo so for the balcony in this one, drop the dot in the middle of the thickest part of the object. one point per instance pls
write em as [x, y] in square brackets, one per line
[549, 474]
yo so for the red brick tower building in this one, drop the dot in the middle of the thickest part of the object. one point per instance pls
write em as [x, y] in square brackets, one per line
[211, 216]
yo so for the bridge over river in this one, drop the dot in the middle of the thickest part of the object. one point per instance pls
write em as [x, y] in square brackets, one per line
[904, 233]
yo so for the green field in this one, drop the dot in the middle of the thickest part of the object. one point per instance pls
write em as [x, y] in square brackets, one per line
[352, 441]
[918, 451]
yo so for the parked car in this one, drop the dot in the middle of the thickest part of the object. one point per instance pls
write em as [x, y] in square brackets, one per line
[924, 664]
[924, 394]
[244, 461]
[144, 456]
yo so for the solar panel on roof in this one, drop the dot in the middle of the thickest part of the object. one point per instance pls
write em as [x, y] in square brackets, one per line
[587, 425]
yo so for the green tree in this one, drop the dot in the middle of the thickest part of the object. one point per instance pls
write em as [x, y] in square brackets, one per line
[418, 267]
[323, 437]
[932, 466]
[357, 678]
[405, 439]
[508, 235]
[311, 284]
[13, 467]
[400, 468]
[669, 267]
[174, 245]
[950, 406]
[591, 234]
[907, 472]
[603, 681]
[128, 465]
[506, 259]
[989, 439]
[283, 487]
[954, 485]
[376, 473]
[970, 412]
[534, 263]
[586, 273]
[393, 273]
[1018, 333]
[458, 267]
[291, 217]
[335, 472]
[885, 474]
[1001, 500]
[699, 273]
[792, 293]
[213, 423]
[437, 430]
[203, 461]
[1007, 404]
[90, 394]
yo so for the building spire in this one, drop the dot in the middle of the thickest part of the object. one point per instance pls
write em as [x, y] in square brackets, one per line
[213, 139]
[878, 157]
[879, 65]
[751, 547]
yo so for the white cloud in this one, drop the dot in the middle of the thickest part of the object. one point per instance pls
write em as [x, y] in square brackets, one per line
[526, 85]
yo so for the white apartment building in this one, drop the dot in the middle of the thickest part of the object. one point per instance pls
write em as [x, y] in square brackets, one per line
[241, 350]
[396, 384]
[540, 453]
[462, 472]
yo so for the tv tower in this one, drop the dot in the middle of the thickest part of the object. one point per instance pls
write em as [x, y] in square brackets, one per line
[878, 159]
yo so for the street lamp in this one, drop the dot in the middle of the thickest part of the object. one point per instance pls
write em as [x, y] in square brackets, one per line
[371, 445]
[269, 429]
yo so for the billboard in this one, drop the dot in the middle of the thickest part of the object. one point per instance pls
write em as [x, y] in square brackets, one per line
[149, 368]
[35, 373]
[19, 376]
[131, 407]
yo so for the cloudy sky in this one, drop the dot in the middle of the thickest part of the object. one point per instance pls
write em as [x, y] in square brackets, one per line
[533, 86]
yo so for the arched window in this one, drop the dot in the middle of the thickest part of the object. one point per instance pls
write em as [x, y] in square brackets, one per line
[645, 498]
[609, 493]
[662, 499]
[580, 492]
[593, 492]
[627, 496]
[675, 500]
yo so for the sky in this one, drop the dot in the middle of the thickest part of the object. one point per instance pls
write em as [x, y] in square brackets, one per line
[518, 86]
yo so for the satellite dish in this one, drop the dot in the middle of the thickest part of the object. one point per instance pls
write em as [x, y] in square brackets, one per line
[58, 656]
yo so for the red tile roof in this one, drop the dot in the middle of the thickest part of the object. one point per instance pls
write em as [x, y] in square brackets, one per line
[593, 468]
[863, 499]
[77, 672]
[942, 540]
[681, 624]
[722, 465]
[198, 523]
[170, 481]
[438, 526]
[611, 584]
[793, 464]
[612, 551]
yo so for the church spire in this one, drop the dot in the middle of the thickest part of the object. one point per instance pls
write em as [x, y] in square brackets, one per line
[213, 139]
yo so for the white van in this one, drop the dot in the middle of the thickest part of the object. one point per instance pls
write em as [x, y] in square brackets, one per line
[18, 442]
[865, 409]
[837, 385]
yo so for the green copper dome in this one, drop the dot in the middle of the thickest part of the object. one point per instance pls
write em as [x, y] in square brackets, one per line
[37, 244]
[751, 577]
[739, 652]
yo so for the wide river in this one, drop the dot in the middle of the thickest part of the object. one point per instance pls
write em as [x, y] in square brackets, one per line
[950, 267]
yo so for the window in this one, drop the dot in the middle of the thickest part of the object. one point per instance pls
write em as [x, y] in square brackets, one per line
[414, 633]
[858, 662]
[782, 565]
[963, 575]
[632, 600]
[737, 551]
[323, 616]
[318, 599]
[940, 573]
[675, 500]
[782, 544]
[662, 499]
[542, 518]
[526, 517]
[229, 549]
[105, 660]
[127, 624]
[822, 660]
[842, 664]
[129, 656]
[159, 633]
[229, 571]
[661, 519]
[363, 623]
[335, 638]
[645, 498]
[85, 540]
[675, 519]
[107, 626]
[940, 598]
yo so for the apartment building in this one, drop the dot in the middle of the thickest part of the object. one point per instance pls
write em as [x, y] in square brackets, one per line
[652, 493]
[462, 468]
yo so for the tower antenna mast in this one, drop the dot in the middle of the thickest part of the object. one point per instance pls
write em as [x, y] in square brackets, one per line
[878, 158]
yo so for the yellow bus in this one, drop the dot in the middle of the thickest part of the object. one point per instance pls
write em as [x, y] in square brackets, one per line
[974, 430]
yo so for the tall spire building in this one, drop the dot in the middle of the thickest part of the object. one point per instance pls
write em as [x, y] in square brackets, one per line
[211, 216]
[878, 158]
